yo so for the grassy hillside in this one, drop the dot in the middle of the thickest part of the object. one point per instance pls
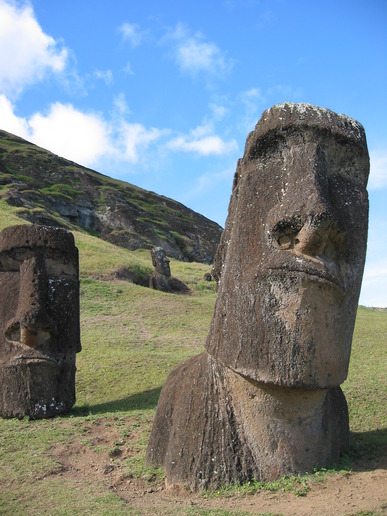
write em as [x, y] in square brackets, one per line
[132, 337]
[47, 189]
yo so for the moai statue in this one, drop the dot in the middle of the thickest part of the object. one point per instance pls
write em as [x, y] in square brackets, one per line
[161, 279]
[160, 261]
[264, 400]
[39, 321]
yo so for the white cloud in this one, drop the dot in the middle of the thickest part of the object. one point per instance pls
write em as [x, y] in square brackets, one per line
[9, 121]
[252, 100]
[193, 54]
[207, 181]
[132, 32]
[218, 111]
[128, 69]
[250, 97]
[255, 100]
[104, 75]
[378, 173]
[86, 138]
[81, 137]
[204, 146]
[201, 141]
[27, 54]
[135, 137]
[121, 104]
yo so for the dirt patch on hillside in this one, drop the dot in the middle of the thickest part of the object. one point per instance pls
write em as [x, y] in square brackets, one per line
[102, 454]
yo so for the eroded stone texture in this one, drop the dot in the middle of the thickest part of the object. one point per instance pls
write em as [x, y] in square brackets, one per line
[161, 279]
[264, 400]
[39, 321]
[293, 249]
[214, 427]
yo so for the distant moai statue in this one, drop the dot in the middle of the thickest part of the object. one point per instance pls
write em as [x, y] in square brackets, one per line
[264, 400]
[160, 261]
[161, 279]
[39, 321]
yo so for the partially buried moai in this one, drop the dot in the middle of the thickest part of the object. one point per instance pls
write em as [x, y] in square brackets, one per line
[265, 400]
[162, 273]
[161, 279]
[39, 321]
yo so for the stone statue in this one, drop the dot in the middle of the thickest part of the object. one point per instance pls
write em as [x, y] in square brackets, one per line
[161, 279]
[264, 400]
[39, 321]
[160, 261]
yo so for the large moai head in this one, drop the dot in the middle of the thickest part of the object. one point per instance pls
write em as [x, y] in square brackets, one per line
[39, 321]
[291, 258]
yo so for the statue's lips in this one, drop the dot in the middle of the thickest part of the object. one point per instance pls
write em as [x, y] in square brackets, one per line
[35, 358]
[313, 274]
[22, 354]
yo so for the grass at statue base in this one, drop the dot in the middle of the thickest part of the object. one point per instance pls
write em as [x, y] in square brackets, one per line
[132, 337]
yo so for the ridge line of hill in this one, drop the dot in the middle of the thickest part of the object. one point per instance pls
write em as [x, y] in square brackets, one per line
[54, 191]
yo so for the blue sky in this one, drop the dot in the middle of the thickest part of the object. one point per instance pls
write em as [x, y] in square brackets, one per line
[162, 94]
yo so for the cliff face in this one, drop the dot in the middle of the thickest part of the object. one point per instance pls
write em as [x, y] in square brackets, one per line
[54, 191]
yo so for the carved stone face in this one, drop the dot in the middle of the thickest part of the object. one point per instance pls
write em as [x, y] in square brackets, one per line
[160, 261]
[292, 254]
[39, 320]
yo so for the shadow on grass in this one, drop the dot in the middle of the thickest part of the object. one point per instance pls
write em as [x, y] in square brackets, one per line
[367, 451]
[140, 401]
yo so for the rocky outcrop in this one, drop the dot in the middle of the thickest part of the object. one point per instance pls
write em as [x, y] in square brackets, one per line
[53, 191]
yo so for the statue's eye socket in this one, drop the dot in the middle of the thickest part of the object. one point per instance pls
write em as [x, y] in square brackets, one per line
[13, 332]
[9, 264]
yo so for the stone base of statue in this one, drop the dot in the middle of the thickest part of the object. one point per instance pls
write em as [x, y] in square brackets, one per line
[214, 427]
[37, 390]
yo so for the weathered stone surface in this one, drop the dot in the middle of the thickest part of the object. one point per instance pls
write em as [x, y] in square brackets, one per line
[214, 427]
[264, 400]
[292, 253]
[160, 261]
[39, 321]
[162, 279]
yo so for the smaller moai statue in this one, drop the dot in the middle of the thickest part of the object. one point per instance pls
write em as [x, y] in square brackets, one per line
[161, 279]
[39, 321]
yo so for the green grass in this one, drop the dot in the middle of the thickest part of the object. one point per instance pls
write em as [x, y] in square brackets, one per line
[132, 337]
[60, 190]
[366, 386]
[8, 215]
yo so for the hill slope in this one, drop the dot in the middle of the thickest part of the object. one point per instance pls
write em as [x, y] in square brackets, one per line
[51, 190]
[91, 461]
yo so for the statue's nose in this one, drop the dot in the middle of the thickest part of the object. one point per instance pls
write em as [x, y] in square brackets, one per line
[309, 227]
[314, 236]
[32, 325]
[319, 237]
[34, 337]
[33, 294]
